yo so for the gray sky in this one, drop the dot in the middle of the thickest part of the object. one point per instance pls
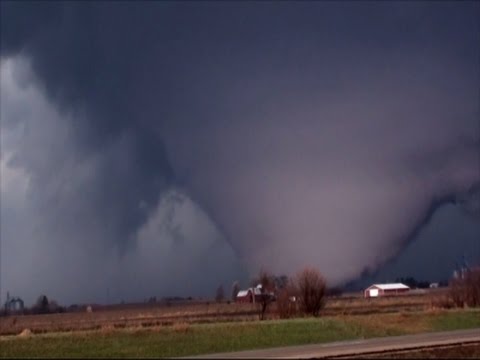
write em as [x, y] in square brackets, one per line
[164, 148]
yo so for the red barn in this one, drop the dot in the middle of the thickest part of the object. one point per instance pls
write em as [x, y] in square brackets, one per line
[250, 295]
[377, 290]
[244, 296]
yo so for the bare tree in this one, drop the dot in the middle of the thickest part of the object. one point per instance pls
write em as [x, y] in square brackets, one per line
[465, 290]
[287, 299]
[456, 292]
[41, 306]
[265, 285]
[235, 290]
[473, 287]
[220, 295]
[311, 288]
[281, 281]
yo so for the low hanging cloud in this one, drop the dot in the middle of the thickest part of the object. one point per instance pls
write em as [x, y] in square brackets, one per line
[56, 237]
[309, 134]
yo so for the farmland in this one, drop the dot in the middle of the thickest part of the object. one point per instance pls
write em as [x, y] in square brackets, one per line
[183, 339]
[189, 327]
[147, 315]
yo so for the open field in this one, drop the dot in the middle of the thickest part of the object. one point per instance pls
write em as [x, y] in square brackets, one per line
[164, 314]
[182, 339]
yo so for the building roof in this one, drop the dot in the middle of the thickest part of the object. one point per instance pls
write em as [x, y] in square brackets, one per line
[395, 286]
[255, 291]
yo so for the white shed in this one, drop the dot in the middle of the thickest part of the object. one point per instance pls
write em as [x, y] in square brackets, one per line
[377, 290]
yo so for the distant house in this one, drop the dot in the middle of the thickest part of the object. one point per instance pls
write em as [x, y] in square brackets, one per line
[377, 290]
[251, 295]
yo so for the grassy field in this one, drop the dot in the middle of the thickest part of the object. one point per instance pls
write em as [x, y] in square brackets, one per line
[188, 339]
[161, 314]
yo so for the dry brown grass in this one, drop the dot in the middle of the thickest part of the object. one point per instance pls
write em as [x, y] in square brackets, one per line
[181, 327]
[147, 315]
[441, 301]
[159, 315]
[25, 333]
[392, 323]
[107, 329]
[360, 306]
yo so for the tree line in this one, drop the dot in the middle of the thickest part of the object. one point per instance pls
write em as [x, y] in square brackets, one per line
[303, 293]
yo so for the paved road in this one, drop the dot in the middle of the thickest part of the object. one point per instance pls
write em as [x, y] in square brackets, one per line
[357, 347]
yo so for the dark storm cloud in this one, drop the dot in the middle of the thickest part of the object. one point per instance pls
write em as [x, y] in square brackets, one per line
[68, 216]
[85, 71]
[309, 132]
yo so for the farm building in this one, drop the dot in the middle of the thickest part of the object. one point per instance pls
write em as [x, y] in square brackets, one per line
[249, 295]
[252, 295]
[385, 290]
